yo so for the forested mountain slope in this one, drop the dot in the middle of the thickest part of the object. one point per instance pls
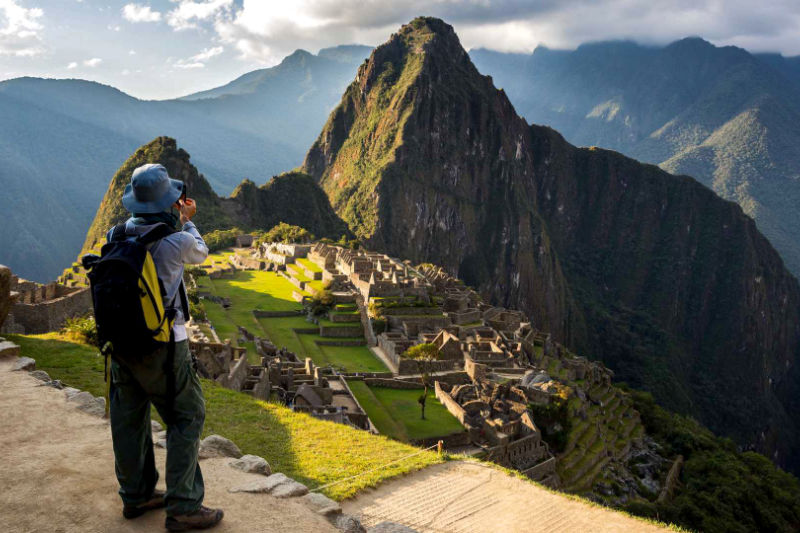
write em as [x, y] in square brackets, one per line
[729, 118]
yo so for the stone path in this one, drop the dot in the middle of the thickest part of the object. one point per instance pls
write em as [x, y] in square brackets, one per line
[464, 497]
[57, 473]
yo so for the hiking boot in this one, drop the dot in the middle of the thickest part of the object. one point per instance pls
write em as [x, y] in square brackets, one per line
[202, 518]
[156, 501]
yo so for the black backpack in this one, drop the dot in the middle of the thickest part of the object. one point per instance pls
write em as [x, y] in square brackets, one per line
[130, 313]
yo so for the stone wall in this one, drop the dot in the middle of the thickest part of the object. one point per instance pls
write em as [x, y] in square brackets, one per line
[50, 315]
[410, 366]
[455, 409]
[393, 383]
[341, 331]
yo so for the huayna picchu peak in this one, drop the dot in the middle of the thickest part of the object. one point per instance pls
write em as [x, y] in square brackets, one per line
[669, 285]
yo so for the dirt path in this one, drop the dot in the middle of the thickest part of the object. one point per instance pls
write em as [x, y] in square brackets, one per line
[463, 497]
[57, 473]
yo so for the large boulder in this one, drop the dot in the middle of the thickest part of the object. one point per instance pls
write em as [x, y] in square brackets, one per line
[252, 464]
[5, 293]
[216, 446]
[24, 363]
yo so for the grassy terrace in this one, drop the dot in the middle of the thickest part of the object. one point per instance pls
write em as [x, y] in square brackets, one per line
[298, 274]
[312, 451]
[268, 291]
[308, 264]
[247, 290]
[395, 412]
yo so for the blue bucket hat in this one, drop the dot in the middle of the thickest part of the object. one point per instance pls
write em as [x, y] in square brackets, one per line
[151, 190]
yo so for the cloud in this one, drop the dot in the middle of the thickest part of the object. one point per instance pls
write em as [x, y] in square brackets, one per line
[268, 31]
[19, 29]
[189, 13]
[199, 60]
[140, 13]
[72, 65]
[93, 62]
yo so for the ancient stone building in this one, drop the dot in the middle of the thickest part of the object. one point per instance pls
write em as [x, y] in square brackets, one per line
[42, 308]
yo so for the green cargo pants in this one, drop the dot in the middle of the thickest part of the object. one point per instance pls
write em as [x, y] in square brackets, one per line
[132, 389]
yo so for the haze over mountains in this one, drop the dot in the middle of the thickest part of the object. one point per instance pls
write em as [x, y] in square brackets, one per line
[61, 140]
[729, 118]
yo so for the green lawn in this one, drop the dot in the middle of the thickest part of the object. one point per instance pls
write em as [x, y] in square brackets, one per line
[396, 412]
[308, 264]
[351, 358]
[248, 290]
[77, 365]
[299, 275]
[312, 451]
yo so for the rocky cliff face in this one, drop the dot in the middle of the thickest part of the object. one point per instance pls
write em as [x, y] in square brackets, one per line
[293, 198]
[669, 285]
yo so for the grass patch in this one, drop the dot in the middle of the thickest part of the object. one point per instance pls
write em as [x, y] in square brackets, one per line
[247, 290]
[312, 451]
[351, 358]
[76, 365]
[397, 412]
[308, 264]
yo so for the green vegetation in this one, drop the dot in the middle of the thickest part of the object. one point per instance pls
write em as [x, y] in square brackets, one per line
[286, 233]
[395, 412]
[219, 239]
[555, 422]
[75, 364]
[722, 490]
[81, 329]
[312, 451]
[269, 291]
[376, 132]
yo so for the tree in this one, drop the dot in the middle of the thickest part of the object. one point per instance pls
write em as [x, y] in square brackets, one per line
[424, 354]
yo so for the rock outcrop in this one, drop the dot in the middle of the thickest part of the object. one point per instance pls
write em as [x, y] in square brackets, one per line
[6, 298]
[670, 286]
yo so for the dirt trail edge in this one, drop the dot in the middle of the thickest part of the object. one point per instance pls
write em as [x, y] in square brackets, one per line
[57, 473]
[465, 497]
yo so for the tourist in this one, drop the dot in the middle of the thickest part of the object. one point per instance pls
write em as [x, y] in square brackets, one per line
[152, 197]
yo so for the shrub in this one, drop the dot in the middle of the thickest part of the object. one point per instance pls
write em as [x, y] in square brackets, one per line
[378, 325]
[219, 239]
[197, 311]
[321, 303]
[196, 271]
[81, 329]
[554, 421]
[286, 233]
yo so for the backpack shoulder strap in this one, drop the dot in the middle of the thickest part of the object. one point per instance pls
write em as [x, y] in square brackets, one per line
[158, 232]
[118, 233]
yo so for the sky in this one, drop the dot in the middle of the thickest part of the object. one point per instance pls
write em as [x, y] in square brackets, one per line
[158, 49]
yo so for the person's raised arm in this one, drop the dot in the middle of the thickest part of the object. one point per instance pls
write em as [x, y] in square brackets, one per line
[193, 248]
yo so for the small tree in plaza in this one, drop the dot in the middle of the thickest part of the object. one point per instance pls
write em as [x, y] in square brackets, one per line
[424, 354]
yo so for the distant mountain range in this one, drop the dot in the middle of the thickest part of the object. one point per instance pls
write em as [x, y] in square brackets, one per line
[61, 140]
[726, 117]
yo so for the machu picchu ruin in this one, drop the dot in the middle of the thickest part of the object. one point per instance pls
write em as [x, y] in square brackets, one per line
[338, 338]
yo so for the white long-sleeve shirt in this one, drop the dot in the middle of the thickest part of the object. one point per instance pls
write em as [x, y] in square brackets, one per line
[170, 254]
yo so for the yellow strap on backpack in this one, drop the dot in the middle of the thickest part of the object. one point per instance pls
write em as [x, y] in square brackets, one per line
[152, 302]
